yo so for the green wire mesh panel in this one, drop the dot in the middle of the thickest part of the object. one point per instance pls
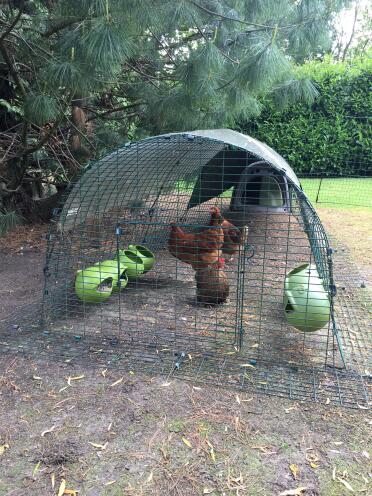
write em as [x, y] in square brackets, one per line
[133, 197]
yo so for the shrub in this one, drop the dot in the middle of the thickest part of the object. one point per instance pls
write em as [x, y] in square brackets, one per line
[333, 135]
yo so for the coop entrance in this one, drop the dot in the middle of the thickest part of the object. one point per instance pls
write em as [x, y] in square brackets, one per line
[261, 188]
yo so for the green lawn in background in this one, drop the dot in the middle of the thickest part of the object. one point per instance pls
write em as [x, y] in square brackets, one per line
[339, 191]
[333, 192]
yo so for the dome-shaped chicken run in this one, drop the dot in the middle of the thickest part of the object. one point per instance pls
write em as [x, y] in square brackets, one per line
[264, 292]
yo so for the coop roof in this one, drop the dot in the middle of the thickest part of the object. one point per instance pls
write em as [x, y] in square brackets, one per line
[251, 145]
[153, 166]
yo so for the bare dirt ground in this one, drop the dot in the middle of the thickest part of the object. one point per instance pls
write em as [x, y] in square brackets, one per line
[21, 267]
[75, 429]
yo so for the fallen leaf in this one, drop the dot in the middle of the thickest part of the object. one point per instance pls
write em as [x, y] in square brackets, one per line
[187, 442]
[76, 378]
[208, 490]
[266, 450]
[47, 431]
[213, 454]
[3, 447]
[293, 492]
[236, 422]
[312, 457]
[209, 443]
[294, 469]
[164, 453]
[117, 382]
[62, 487]
[247, 401]
[313, 465]
[346, 484]
[36, 469]
[149, 478]
[131, 372]
[287, 410]
[98, 446]
[365, 454]
[72, 492]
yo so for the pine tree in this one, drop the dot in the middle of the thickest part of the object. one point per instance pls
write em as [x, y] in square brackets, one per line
[78, 77]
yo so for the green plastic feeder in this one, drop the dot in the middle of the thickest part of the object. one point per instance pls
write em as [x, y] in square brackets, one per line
[134, 264]
[306, 302]
[112, 267]
[95, 284]
[147, 257]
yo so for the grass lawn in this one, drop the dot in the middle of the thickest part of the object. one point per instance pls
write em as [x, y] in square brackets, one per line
[331, 192]
[339, 191]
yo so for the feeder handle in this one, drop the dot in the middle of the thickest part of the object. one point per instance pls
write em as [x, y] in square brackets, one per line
[249, 247]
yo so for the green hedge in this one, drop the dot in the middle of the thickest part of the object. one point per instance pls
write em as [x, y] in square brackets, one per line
[333, 135]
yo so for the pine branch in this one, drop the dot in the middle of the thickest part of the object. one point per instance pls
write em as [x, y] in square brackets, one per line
[218, 48]
[12, 68]
[149, 77]
[98, 115]
[15, 21]
[60, 26]
[255, 25]
[222, 16]
[165, 48]
[185, 41]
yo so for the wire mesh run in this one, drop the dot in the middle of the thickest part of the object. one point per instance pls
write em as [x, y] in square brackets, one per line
[203, 253]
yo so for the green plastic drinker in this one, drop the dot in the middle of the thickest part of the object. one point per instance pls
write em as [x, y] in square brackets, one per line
[95, 284]
[306, 302]
[112, 266]
[134, 264]
[147, 257]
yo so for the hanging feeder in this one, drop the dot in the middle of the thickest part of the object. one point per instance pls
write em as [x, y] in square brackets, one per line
[306, 303]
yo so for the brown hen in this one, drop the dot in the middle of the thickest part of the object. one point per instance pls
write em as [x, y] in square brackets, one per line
[232, 239]
[212, 284]
[198, 249]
